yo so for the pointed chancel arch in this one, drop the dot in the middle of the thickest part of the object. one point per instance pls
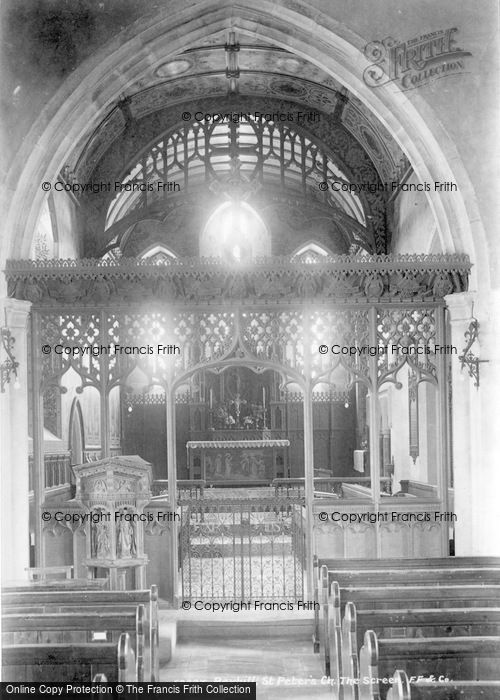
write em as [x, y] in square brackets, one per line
[337, 50]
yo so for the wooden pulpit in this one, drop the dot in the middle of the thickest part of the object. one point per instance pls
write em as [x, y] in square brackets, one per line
[114, 491]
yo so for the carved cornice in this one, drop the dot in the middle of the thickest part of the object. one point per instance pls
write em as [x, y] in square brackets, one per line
[195, 281]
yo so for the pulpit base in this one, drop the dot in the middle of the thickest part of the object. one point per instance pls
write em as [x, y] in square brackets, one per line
[125, 575]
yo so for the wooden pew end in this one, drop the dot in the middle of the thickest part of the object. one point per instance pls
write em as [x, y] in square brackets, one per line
[126, 659]
[400, 689]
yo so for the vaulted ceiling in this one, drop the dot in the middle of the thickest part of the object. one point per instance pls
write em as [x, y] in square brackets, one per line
[265, 71]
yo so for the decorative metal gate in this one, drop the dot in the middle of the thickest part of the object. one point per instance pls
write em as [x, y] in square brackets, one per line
[242, 549]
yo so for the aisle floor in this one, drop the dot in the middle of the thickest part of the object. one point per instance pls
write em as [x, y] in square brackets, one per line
[282, 668]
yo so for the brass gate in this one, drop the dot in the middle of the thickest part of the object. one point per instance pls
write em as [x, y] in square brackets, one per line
[242, 549]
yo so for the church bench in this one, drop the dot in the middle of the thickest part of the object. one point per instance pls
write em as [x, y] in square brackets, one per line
[356, 624]
[417, 574]
[76, 627]
[79, 597]
[69, 662]
[68, 584]
[403, 597]
[407, 564]
[346, 638]
[458, 690]
[414, 596]
[436, 658]
[435, 622]
[404, 688]
[69, 621]
[97, 600]
[407, 594]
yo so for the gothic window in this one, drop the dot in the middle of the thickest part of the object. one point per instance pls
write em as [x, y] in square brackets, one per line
[235, 233]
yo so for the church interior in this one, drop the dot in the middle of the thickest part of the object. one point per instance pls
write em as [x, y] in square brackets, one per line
[250, 383]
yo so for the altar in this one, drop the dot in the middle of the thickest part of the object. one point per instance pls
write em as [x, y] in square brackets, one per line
[237, 461]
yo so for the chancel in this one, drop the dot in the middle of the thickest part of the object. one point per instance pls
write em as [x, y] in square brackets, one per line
[249, 337]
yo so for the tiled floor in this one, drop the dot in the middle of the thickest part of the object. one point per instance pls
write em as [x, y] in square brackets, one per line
[282, 668]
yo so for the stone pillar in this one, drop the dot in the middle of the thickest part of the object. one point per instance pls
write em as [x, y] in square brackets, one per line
[471, 464]
[14, 447]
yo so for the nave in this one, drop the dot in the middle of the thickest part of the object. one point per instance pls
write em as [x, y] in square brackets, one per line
[382, 629]
[249, 302]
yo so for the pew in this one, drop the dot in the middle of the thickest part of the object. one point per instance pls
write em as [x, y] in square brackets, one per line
[404, 688]
[71, 626]
[424, 622]
[392, 599]
[65, 584]
[429, 622]
[77, 663]
[67, 601]
[359, 572]
[435, 596]
[436, 658]
[426, 607]
[455, 563]
[417, 572]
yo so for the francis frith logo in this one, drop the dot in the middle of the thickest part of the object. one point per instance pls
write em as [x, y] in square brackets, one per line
[414, 62]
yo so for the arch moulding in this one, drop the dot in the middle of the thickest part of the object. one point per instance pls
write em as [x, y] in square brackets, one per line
[70, 116]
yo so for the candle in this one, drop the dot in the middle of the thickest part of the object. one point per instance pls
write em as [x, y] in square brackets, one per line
[263, 397]
[211, 399]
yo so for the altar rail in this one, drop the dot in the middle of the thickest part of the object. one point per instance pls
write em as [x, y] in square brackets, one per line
[334, 485]
[190, 489]
[337, 486]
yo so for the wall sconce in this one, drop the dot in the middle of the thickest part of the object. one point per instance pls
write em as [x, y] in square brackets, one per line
[9, 366]
[467, 358]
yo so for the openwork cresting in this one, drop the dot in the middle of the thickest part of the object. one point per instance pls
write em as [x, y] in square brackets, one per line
[234, 549]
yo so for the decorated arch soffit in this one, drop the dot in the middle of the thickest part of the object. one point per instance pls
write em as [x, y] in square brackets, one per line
[269, 72]
[278, 81]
